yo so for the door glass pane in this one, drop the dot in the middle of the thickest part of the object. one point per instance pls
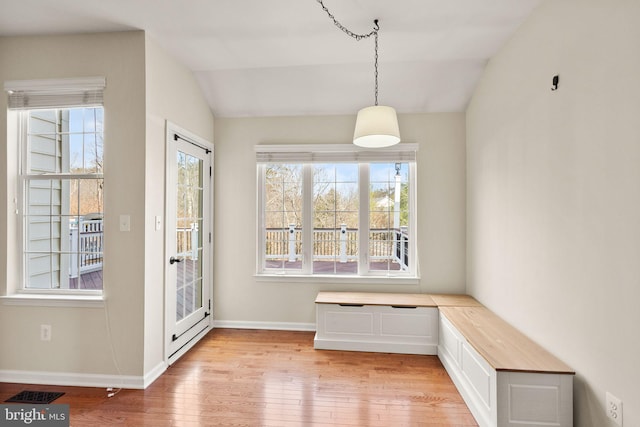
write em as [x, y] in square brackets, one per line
[189, 193]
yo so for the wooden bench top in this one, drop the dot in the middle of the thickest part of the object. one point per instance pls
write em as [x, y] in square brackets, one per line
[375, 298]
[455, 300]
[378, 298]
[503, 346]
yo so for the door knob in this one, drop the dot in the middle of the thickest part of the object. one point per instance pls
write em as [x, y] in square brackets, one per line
[173, 260]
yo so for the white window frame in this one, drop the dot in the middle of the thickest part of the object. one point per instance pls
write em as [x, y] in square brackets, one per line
[24, 96]
[307, 156]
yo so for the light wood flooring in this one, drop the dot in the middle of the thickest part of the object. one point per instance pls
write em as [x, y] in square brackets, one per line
[276, 378]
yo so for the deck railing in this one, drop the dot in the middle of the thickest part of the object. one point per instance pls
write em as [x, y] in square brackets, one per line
[187, 239]
[86, 243]
[340, 243]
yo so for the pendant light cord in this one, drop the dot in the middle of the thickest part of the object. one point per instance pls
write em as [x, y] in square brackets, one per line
[358, 37]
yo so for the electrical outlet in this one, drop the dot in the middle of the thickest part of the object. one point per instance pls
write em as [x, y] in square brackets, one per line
[125, 223]
[45, 332]
[614, 408]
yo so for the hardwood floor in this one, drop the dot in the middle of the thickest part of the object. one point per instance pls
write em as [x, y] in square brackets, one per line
[276, 378]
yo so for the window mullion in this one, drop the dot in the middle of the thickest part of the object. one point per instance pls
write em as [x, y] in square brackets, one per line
[261, 235]
[363, 219]
[413, 220]
[21, 191]
[307, 219]
[24, 161]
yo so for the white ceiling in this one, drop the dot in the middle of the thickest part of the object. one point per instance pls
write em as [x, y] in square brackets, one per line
[285, 57]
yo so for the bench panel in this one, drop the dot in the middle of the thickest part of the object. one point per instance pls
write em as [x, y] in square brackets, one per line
[479, 374]
[528, 399]
[450, 341]
[378, 328]
[348, 321]
[405, 323]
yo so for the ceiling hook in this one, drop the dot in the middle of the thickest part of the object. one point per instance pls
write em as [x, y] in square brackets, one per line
[376, 27]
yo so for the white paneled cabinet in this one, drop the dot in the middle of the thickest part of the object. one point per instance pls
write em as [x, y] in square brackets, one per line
[504, 398]
[377, 328]
[472, 375]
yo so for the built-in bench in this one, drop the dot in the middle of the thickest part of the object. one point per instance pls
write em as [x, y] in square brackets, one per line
[505, 378]
[388, 323]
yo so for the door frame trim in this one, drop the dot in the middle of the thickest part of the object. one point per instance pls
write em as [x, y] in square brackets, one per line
[171, 129]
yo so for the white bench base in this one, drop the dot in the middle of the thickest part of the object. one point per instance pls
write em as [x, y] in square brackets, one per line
[504, 398]
[377, 328]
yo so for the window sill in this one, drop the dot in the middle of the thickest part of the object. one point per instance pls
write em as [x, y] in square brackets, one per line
[369, 280]
[49, 300]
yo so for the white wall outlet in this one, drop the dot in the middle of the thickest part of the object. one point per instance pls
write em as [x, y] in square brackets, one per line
[614, 408]
[45, 332]
[125, 223]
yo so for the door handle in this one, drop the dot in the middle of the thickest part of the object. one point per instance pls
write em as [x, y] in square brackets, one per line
[173, 260]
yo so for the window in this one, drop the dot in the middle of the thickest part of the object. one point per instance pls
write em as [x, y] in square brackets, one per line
[61, 183]
[336, 211]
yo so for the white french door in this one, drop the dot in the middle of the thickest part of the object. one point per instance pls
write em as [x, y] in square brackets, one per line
[188, 274]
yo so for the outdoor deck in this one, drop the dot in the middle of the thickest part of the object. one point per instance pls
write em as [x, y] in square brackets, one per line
[186, 293]
[92, 280]
[388, 251]
[188, 299]
[186, 271]
[329, 267]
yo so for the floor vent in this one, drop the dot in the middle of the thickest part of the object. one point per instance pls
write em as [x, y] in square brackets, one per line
[41, 397]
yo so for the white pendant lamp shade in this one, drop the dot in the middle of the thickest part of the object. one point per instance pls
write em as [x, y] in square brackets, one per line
[376, 127]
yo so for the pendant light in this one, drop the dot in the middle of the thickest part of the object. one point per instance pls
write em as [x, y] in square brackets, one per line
[376, 126]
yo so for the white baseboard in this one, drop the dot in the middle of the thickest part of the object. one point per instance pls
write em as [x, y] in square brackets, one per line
[131, 381]
[154, 374]
[278, 326]
[83, 380]
[78, 380]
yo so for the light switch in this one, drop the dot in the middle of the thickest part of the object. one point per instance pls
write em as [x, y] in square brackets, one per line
[125, 223]
[158, 222]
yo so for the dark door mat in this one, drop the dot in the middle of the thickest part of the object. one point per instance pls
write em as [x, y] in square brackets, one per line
[29, 396]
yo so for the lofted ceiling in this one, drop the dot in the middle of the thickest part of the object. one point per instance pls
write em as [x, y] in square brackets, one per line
[286, 57]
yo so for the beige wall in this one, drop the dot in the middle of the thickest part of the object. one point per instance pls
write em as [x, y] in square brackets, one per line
[172, 94]
[80, 342]
[142, 81]
[553, 204]
[441, 206]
